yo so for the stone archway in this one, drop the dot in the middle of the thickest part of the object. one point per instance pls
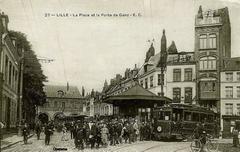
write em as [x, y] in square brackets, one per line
[43, 117]
[57, 116]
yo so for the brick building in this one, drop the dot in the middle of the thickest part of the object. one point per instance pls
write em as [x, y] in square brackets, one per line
[61, 101]
[212, 46]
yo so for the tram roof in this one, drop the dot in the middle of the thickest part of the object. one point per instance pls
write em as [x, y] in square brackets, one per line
[137, 94]
[188, 107]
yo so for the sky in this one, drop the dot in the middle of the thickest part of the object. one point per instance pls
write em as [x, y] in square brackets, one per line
[88, 50]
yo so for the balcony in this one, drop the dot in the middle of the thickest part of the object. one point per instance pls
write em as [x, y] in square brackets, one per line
[211, 95]
[208, 21]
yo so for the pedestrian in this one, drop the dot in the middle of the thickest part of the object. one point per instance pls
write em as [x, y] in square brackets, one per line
[48, 132]
[235, 137]
[112, 133]
[93, 133]
[25, 132]
[79, 143]
[119, 132]
[104, 135]
[98, 135]
[38, 130]
[72, 130]
[125, 133]
[142, 131]
[64, 134]
[136, 131]
[131, 132]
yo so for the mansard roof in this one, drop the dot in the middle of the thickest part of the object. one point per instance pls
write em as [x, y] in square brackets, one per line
[231, 64]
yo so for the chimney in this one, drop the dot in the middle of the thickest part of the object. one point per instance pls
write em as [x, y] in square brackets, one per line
[83, 91]
[67, 86]
[4, 21]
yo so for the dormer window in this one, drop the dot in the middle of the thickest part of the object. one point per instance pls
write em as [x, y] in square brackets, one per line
[60, 93]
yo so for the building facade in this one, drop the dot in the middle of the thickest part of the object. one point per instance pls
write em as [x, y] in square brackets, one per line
[212, 45]
[152, 75]
[10, 68]
[117, 85]
[180, 77]
[230, 95]
[61, 101]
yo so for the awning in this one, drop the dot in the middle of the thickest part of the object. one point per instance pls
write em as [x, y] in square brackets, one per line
[136, 95]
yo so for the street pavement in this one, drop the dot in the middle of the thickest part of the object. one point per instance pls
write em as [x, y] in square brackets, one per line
[35, 145]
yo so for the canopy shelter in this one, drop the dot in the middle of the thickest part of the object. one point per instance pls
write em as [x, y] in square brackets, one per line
[136, 95]
[135, 101]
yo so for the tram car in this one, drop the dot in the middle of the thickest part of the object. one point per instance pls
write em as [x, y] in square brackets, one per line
[178, 121]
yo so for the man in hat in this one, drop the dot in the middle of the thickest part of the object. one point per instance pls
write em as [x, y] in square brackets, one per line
[235, 137]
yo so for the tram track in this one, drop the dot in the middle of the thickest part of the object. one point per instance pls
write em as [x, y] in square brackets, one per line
[126, 146]
[148, 148]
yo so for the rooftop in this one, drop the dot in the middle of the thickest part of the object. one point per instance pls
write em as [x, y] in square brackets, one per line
[58, 91]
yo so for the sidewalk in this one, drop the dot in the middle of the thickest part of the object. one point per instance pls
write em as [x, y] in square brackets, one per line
[12, 140]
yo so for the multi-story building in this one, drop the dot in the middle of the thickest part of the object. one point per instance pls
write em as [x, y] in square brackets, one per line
[10, 68]
[151, 76]
[212, 45]
[117, 85]
[180, 77]
[230, 95]
[61, 101]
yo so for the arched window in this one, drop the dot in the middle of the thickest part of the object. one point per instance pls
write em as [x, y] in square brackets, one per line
[207, 63]
[203, 41]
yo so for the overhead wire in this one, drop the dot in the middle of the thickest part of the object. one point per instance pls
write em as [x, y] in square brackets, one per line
[60, 47]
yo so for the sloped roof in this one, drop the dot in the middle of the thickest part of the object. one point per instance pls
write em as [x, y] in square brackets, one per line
[136, 93]
[137, 90]
[152, 63]
[53, 91]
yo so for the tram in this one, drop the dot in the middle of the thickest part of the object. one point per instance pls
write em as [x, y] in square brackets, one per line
[178, 121]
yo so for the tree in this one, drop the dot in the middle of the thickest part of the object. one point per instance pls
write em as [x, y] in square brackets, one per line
[33, 78]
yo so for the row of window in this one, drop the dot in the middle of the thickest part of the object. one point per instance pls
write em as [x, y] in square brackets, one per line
[187, 96]
[177, 75]
[10, 74]
[208, 41]
[208, 63]
[57, 104]
[229, 76]
[208, 86]
[229, 109]
[151, 81]
[229, 91]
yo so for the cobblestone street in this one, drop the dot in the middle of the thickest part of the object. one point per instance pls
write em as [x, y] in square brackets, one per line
[35, 145]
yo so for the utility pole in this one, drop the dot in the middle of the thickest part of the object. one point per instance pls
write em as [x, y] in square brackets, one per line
[163, 60]
[20, 88]
[1, 77]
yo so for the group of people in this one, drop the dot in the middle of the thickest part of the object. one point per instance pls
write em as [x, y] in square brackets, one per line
[48, 130]
[102, 133]
[95, 133]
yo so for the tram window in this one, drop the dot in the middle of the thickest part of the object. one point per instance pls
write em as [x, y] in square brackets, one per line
[210, 118]
[203, 117]
[188, 116]
[174, 118]
[195, 117]
[161, 116]
[167, 115]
